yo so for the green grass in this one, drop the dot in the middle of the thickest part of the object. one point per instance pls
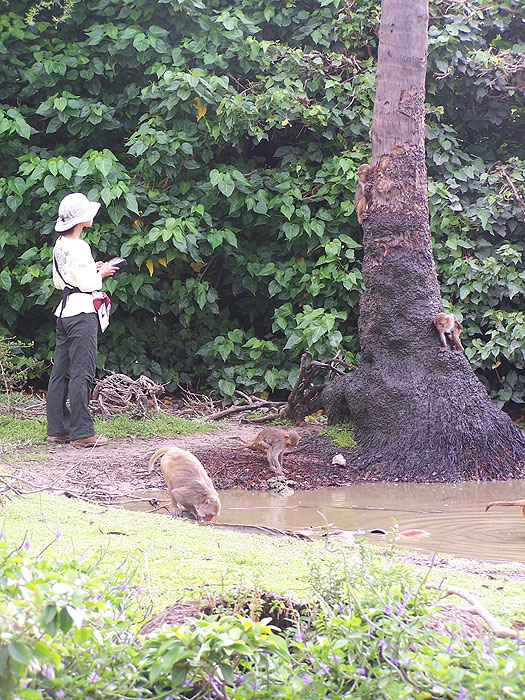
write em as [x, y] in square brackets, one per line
[171, 557]
[162, 424]
[341, 435]
[175, 559]
[16, 432]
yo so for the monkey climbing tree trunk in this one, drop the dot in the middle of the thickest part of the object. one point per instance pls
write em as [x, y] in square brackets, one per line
[419, 414]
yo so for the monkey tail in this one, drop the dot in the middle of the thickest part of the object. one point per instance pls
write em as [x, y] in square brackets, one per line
[245, 444]
[155, 456]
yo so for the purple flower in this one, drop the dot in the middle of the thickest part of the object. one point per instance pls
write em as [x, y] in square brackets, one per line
[388, 609]
[2, 535]
[255, 685]
[360, 671]
[239, 680]
[60, 693]
[462, 693]
[382, 644]
[27, 544]
[299, 636]
[138, 589]
[168, 697]
[400, 609]
[323, 668]
[58, 535]
[93, 677]
[406, 597]
[46, 672]
[335, 659]
[339, 607]
[306, 678]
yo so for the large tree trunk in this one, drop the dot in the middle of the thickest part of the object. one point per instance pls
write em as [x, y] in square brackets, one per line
[419, 414]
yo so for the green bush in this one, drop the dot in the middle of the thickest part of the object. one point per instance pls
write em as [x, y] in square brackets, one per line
[70, 629]
[65, 627]
[223, 141]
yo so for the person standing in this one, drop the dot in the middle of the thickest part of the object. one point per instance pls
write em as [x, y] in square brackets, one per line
[76, 273]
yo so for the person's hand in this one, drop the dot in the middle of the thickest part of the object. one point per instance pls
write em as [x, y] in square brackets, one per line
[105, 269]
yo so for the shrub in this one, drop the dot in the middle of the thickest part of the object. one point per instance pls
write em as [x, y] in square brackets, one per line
[224, 143]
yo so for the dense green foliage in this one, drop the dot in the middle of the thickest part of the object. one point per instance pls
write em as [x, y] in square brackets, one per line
[224, 139]
[68, 629]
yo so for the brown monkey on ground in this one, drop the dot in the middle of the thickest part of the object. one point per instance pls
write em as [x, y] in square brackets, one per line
[448, 326]
[507, 503]
[189, 486]
[273, 442]
[360, 203]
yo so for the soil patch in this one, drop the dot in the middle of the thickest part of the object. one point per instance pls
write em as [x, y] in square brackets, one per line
[280, 611]
[109, 473]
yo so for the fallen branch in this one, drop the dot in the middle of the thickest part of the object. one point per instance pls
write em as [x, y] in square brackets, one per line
[263, 419]
[49, 487]
[244, 407]
[477, 608]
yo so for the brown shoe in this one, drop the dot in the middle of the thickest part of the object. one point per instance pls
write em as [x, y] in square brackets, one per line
[58, 438]
[93, 441]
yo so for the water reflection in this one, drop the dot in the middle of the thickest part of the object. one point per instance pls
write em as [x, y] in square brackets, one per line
[452, 513]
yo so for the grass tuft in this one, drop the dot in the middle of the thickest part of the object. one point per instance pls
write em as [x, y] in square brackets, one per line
[162, 424]
[342, 435]
[17, 432]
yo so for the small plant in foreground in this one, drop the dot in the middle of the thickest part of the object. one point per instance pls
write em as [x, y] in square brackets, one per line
[16, 367]
[67, 630]
[63, 625]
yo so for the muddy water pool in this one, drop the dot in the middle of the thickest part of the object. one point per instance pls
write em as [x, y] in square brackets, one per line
[453, 514]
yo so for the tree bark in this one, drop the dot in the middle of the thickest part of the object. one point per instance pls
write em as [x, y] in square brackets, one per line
[419, 414]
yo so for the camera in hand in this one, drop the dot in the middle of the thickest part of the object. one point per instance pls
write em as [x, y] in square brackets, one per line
[118, 262]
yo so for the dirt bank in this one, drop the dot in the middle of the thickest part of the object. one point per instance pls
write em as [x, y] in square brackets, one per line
[105, 474]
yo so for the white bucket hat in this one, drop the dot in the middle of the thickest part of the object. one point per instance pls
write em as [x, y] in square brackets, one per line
[75, 209]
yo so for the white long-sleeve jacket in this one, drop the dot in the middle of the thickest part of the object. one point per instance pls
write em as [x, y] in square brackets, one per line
[77, 267]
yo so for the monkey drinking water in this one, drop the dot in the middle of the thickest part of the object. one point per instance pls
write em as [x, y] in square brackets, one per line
[273, 442]
[449, 327]
[189, 486]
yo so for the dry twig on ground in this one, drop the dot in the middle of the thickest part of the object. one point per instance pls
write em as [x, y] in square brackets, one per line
[477, 608]
[254, 405]
[118, 393]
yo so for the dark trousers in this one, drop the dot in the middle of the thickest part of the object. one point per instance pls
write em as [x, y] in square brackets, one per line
[72, 375]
